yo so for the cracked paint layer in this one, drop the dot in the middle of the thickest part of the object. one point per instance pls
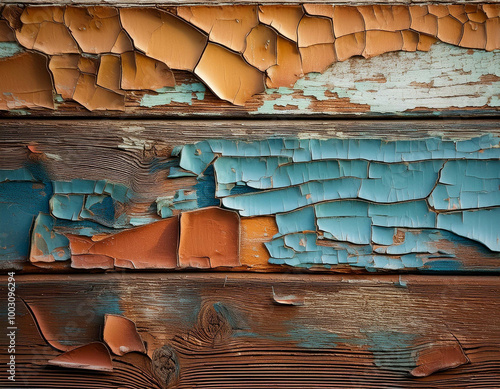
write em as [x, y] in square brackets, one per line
[310, 203]
[235, 50]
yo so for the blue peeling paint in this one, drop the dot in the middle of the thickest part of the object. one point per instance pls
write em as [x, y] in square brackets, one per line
[8, 49]
[183, 93]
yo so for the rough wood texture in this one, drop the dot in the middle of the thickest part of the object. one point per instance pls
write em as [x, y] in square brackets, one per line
[137, 155]
[232, 330]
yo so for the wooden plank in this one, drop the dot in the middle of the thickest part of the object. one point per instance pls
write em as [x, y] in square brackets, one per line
[136, 156]
[345, 62]
[222, 2]
[227, 330]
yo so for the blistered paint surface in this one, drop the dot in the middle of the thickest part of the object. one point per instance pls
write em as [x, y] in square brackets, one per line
[239, 50]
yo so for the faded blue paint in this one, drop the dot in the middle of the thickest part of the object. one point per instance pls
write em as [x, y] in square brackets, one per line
[418, 241]
[349, 229]
[390, 183]
[296, 221]
[21, 174]
[412, 214]
[49, 242]
[183, 93]
[467, 184]
[481, 225]
[8, 49]
[393, 350]
[20, 203]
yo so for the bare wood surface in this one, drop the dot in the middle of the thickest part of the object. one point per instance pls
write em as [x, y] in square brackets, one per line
[234, 330]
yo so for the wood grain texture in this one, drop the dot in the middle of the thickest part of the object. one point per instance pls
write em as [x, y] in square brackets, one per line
[225, 330]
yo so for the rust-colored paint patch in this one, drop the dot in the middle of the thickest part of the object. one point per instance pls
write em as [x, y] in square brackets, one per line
[25, 82]
[92, 356]
[210, 237]
[153, 246]
[121, 335]
[437, 358]
[254, 232]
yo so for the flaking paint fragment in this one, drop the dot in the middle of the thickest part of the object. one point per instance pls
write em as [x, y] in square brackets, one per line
[152, 246]
[261, 47]
[288, 68]
[96, 29]
[287, 299]
[209, 238]
[25, 82]
[467, 184]
[480, 225]
[228, 75]
[65, 71]
[43, 30]
[139, 72]
[438, 357]
[228, 26]
[92, 356]
[94, 97]
[108, 75]
[46, 244]
[164, 37]
[121, 335]
[283, 19]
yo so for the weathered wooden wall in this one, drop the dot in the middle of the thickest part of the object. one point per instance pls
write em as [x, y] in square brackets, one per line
[327, 217]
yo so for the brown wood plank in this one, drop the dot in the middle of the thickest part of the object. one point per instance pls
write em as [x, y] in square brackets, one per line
[227, 331]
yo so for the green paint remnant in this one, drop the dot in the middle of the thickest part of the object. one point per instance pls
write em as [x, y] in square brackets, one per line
[184, 93]
[301, 105]
[8, 49]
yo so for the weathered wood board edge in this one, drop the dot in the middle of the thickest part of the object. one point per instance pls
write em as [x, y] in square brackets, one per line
[236, 330]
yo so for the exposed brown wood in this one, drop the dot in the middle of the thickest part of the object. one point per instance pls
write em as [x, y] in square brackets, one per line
[225, 330]
[218, 2]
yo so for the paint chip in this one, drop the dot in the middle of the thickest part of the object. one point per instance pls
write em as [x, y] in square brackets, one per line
[140, 72]
[121, 335]
[25, 82]
[210, 237]
[164, 37]
[437, 358]
[228, 75]
[92, 356]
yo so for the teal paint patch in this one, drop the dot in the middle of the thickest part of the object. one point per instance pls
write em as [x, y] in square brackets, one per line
[467, 184]
[184, 94]
[348, 229]
[296, 221]
[383, 236]
[66, 206]
[443, 265]
[47, 244]
[393, 350]
[8, 49]
[411, 214]
[21, 174]
[481, 225]
[313, 338]
[395, 182]
[20, 203]
[100, 201]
